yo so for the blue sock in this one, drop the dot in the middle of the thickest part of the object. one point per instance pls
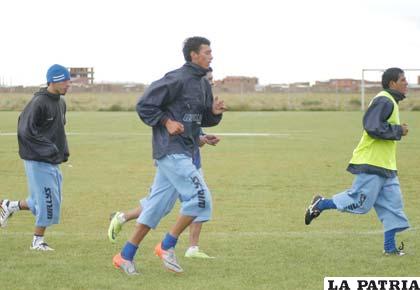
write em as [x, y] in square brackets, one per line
[389, 240]
[326, 204]
[169, 242]
[129, 251]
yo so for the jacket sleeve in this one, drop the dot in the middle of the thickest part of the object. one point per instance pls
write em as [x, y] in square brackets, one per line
[151, 106]
[29, 130]
[375, 120]
[209, 119]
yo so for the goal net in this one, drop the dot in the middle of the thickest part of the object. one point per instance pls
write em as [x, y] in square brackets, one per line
[371, 82]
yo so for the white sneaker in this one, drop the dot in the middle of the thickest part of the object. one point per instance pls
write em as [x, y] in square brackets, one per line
[5, 213]
[169, 259]
[191, 251]
[41, 247]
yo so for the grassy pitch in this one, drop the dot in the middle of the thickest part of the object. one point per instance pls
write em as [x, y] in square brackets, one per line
[261, 185]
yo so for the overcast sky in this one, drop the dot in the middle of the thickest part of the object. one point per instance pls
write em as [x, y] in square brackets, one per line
[276, 41]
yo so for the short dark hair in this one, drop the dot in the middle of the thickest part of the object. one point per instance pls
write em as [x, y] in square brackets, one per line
[193, 44]
[391, 74]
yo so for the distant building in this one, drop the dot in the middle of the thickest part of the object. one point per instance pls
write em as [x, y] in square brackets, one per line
[343, 85]
[82, 75]
[321, 86]
[111, 88]
[276, 88]
[418, 80]
[237, 84]
[299, 87]
[373, 85]
[260, 88]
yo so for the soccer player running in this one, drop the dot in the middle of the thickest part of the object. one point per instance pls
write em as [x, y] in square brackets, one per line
[118, 219]
[374, 165]
[42, 146]
[176, 107]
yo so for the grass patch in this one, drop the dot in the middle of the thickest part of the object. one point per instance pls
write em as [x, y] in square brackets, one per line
[260, 185]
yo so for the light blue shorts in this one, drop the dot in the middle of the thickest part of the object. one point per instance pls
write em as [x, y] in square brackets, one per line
[176, 177]
[171, 199]
[384, 194]
[44, 184]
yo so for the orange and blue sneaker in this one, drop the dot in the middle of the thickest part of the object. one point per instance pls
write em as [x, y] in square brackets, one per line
[169, 259]
[125, 265]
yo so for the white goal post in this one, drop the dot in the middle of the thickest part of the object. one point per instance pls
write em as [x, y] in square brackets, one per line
[362, 85]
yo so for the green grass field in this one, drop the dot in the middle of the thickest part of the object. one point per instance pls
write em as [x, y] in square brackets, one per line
[261, 186]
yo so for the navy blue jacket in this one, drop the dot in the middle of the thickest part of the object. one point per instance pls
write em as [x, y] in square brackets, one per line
[41, 134]
[183, 95]
[376, 125]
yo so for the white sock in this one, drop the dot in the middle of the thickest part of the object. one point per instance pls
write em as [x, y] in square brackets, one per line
[14, 206]
[37, 240]
[121, 218]
[193, 249]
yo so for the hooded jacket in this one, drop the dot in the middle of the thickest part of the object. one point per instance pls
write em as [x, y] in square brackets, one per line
[183, 95]
[41, 134]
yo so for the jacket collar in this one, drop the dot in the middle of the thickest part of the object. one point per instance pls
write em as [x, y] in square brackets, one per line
[45, 92]
[196, 69]
[398, 96]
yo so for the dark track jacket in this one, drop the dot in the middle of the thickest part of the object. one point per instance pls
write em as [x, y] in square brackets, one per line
[376, 125]
[183, 95]
[41, 134]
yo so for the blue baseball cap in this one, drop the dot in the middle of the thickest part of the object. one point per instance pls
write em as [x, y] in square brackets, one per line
[57, 73]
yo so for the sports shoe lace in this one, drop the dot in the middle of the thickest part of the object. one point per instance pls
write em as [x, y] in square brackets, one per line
[401, 247]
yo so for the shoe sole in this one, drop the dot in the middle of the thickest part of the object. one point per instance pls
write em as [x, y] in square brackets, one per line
[172, 271]
[166, 268]
[111, 236]
[399, 254]
[117, 266]
[198, 257]
[38, 250]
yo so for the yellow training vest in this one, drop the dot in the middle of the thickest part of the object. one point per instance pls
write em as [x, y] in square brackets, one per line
[378, 152]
